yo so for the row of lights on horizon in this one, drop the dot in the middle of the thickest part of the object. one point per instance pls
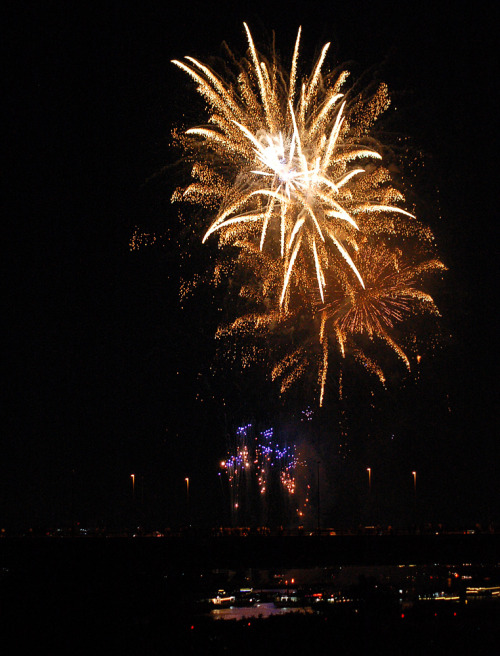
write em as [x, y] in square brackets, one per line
[132, 476]
[368, 469]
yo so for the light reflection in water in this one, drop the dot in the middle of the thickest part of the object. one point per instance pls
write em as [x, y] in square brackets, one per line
[259, 610]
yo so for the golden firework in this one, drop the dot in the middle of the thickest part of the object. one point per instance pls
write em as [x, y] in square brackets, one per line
[290, 163]
[302, 192]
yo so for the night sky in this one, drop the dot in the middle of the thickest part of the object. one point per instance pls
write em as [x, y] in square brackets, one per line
[106, 374]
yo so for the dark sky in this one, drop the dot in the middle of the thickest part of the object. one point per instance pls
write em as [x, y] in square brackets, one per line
[104, 372]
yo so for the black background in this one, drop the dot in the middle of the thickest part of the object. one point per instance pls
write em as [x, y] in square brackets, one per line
[105, 373]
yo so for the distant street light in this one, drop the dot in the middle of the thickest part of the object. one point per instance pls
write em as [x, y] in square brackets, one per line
[369, 470]
[187, 501]
[132, 476]
[414, 474]
[319, 512]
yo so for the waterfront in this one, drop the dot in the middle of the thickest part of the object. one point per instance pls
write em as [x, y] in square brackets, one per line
[141, 596]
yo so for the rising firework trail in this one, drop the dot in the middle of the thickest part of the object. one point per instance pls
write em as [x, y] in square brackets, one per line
[301, 191]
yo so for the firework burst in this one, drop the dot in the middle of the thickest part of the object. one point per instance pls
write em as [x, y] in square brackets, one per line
[392, 294]
[302, 192]
[284, 161]
[260, 463]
